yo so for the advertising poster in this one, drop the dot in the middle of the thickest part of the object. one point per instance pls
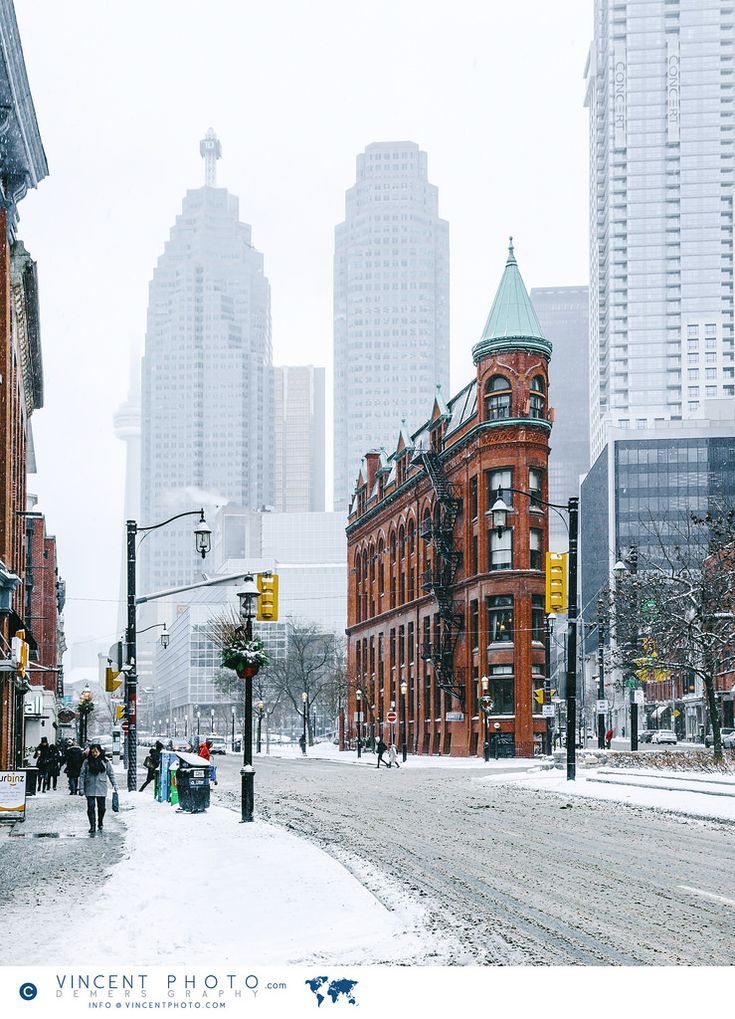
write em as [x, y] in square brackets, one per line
[367, 508]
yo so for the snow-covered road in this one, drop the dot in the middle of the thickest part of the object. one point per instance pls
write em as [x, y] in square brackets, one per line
[517, 875]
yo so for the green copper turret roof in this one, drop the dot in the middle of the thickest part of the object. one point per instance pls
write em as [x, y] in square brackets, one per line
[512, 323]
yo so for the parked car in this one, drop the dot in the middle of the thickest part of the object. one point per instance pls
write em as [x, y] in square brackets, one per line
[725, 731]
[219, 746]
[646, 735]
[663, 736]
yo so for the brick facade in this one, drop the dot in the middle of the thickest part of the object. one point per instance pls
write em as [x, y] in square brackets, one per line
[437, 599]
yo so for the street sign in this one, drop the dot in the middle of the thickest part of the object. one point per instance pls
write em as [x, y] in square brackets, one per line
[640, 697]
[548, 710]
[676, 712]
[454, 716]
[358, 716]
[391, 717]
[124, 726]
[601, 708]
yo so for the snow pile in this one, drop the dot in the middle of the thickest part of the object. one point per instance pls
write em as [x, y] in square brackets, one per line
[715, 801]
[672, 760]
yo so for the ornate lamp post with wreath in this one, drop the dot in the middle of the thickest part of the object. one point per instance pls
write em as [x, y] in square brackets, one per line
[246, 654]
[84, 710]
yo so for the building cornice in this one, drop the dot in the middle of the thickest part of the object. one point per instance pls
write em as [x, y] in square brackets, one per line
[479, 429]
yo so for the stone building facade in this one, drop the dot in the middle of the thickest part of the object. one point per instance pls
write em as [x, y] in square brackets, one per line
[438, 597]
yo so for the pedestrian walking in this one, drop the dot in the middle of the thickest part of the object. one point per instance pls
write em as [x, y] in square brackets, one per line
[152, 763]
[381, 747]
[73, 759]
[392, 756]
[41, 757]
[608, 738]
[204, 750]
[53, 769]
[93, 781]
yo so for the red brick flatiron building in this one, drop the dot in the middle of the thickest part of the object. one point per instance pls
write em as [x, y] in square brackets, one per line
[444, 607]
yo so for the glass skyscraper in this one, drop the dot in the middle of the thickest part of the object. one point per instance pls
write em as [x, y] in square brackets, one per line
[661, 95]
[391, 306]
[207, 385]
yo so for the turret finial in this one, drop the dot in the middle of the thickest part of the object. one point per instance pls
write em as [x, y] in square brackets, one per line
[511, 255]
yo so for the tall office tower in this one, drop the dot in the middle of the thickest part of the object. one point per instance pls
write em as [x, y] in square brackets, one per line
[564, 316]
[391, 306]
[298, 416]
[207, 387]
[660, 93]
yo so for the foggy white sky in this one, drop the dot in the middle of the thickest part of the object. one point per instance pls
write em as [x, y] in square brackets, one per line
[123, 92]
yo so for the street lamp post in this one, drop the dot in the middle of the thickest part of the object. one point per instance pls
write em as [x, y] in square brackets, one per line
[496, 727]
[211, 723]
[404, 691]
[203, 543]
[358, 704]
[305, 704]
[499, 512]
[392, 725]
[233, 727]
[248, 598]
[372, 727]
[619, 569]
[261, 709]
[485, 702]
[199, 719]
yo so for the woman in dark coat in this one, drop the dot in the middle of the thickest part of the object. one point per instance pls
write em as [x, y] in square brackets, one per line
[93, 780]
[41, 757]
[74, 757]
[54, 766]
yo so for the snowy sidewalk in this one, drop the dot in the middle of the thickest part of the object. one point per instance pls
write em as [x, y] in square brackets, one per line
[205, 887]
[671, 791]
[331, 752]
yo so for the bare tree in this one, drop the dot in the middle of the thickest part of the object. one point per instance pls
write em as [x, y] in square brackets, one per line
[311, 667]
[675, 613]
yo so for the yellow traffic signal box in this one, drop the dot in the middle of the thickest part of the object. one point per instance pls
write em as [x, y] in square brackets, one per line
[268, 601]
[556, 582]
[111, 680]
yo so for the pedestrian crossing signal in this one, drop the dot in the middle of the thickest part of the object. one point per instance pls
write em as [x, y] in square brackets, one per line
[556, 582]
[268, 601]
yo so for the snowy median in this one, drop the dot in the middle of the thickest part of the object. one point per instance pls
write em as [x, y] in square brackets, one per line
[710, 796]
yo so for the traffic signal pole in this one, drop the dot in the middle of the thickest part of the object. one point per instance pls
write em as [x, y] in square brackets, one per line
[571, 691]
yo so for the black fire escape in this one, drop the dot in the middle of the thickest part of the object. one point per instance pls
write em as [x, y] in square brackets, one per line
[439, 578]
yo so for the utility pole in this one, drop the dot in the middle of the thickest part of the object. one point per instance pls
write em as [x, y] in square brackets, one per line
[633, 560]
[573, 509]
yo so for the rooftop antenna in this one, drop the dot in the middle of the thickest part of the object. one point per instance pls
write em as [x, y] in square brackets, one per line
[210, 149]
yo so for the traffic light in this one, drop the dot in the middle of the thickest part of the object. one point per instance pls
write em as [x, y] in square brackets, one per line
[119, 712]
[556, 582]
[19, 653]
[268, 601]
[111, 680]
[538, 695]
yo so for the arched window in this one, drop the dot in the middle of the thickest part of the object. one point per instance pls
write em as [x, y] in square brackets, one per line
[381, 568]
[497, 398]
[538, 397]
[411, 563]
